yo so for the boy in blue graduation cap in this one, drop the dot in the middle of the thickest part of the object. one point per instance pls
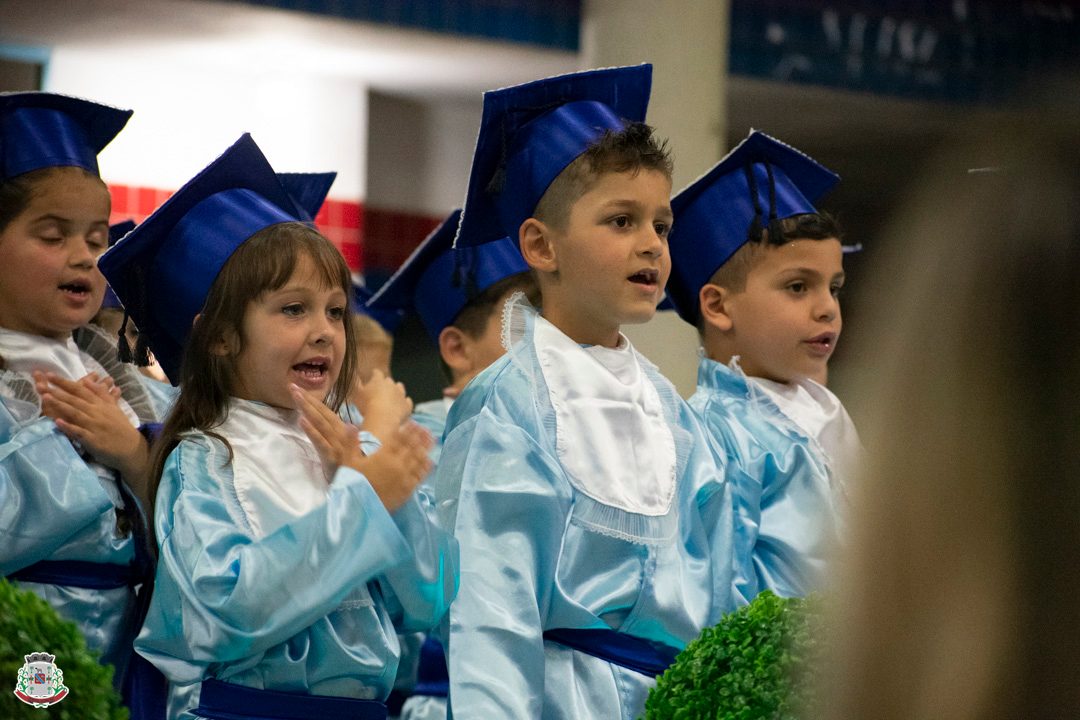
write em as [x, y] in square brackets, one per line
[72, 459]
[459, 301]
[757, 269]
[290, 559]
[595, 524]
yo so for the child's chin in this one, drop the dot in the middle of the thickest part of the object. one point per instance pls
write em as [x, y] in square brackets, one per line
[639, 318]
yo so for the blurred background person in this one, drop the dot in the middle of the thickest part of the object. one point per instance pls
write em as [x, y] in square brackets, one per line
[958, 595]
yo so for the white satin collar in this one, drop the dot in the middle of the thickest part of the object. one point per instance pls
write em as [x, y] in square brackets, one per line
[821, 415]
[619, 360]
[277, 473]
[612, 437]
[25, 353]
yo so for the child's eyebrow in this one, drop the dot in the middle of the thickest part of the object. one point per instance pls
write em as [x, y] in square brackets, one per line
[810, 272]
[67, 221]
[618, 203]
[52, 218]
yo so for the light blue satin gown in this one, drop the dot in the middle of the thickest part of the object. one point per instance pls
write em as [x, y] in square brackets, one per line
[430, 415]
[787, 506]
[56, 504]
[273, 581]
[538, 554]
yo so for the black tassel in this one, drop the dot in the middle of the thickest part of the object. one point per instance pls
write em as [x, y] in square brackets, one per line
[464, 276]
[142, 351]
[756, 233]
[756, 230]
[776, 231]
[123, 348]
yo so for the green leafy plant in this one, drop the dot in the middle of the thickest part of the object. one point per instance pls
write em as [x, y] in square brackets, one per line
[29, 624]
[757, 663]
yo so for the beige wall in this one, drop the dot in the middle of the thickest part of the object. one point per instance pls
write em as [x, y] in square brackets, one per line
[687, 45]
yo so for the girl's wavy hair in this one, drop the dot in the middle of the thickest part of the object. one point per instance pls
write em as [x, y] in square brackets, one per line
[263, 263]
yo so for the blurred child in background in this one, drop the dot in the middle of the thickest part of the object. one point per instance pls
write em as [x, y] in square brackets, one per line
[460, 302]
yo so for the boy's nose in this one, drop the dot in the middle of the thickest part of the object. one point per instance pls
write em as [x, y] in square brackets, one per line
[828, 308]
[652, 245]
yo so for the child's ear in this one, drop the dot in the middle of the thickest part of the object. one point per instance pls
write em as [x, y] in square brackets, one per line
[227, 344]
[714, 302]
[535, 240]
[454, 349]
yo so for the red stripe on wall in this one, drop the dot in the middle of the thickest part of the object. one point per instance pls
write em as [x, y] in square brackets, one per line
[342, 222]
[390, 235]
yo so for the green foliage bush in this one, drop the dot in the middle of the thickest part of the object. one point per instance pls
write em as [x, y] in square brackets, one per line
[29, 624]
[757, 663]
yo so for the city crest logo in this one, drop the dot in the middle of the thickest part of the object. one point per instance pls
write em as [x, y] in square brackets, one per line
[40, 682]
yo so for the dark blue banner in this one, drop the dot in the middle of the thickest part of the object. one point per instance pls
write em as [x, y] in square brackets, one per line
[549, 23]
[963, 50]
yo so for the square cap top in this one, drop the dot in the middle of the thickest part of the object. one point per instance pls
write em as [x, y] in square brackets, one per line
[761, 179]
[529, 134]
[164, 268]
[40, 130]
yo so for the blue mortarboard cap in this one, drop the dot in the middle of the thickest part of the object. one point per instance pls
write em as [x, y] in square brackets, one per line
[40, 130]
[390, 318]
[163, 269]
[714, 214]
[529, 134]
[308, 190]
[432, 282]
[116, 232]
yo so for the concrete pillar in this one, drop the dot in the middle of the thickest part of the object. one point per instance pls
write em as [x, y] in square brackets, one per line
[687, 43]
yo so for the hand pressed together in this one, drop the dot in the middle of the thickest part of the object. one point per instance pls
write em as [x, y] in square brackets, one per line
[88, 411]
[384, 405]
[394, 471]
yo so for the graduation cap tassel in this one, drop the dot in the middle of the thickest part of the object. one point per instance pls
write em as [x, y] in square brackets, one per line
[756, 228]
[142, 351]
[776, 231]
[123, 348]
[464, 276]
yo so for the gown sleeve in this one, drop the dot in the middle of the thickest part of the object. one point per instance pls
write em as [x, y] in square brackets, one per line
[222, 594]
[48, 494]
[419, 590]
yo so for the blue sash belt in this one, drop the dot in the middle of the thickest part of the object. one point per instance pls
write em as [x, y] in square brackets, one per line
[432, 677]
[79, 573]
[225, 701]
[627, 651]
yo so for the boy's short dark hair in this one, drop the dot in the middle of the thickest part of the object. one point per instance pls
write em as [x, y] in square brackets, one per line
[631, 149]
[473, 318]
[808, 226]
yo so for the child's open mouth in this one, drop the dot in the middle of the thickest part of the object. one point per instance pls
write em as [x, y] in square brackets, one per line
[312, 373]
[648, 278]
[822, 344]
[76, 289]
